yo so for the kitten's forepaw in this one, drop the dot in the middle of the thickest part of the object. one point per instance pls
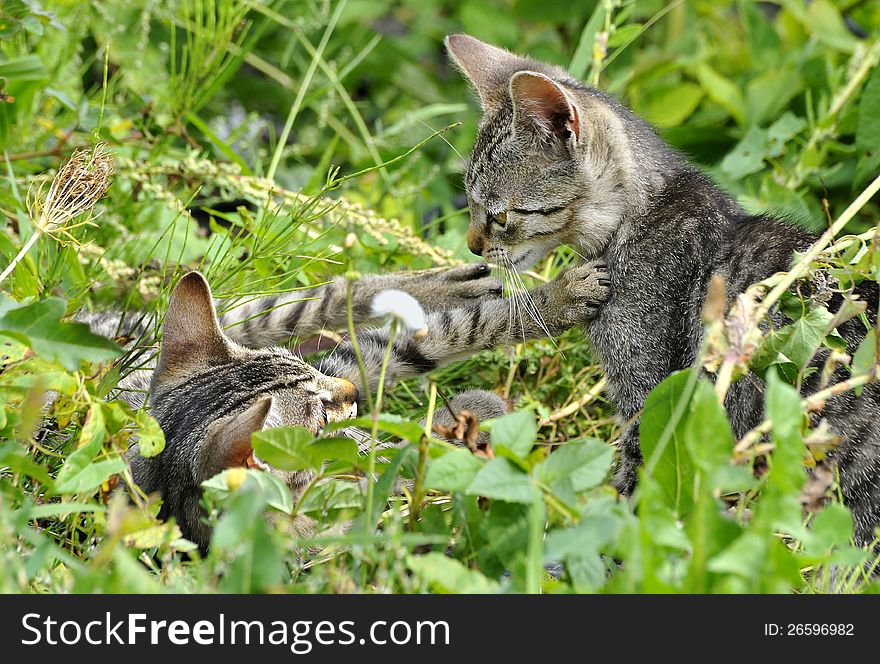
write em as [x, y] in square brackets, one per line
[460, 286]
[584, 288]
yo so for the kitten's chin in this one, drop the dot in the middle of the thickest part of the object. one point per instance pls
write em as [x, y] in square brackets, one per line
[526, 259]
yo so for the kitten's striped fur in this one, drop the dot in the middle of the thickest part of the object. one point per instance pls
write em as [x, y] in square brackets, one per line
[598, 178]
[210, 391]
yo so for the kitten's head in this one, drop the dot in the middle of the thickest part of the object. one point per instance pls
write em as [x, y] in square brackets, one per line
[550, 164]
[210, 395]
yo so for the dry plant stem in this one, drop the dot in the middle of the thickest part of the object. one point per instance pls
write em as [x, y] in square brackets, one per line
[802, 266]
[418, 494]
[575, 406]
[725, 372]
[813, 403]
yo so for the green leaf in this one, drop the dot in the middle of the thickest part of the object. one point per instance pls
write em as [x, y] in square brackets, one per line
[60, 511]
[828, 27]
[91, 439]
[748, 155]
[332, 449]
[446, 575]
[393, 424]
[800, 340]
[586, 462]
[516, 431]
[865, 358]
[285, 448]
[91, 477]
[672, 106]
[151, 438]
[503, 480]
[454, 471]
[832, 527]
[39, 325]
[24, 68]
[782, 131]
[744, 557]
[674, 469]
[273, 490]
[783, 409]
[707, 433]
[722, 91]
[868, 124]
[329, 496]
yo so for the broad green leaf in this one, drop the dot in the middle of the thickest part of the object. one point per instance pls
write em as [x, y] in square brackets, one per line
[722, 91]
[89, 443]
[672, 106]
[393, 424]
[800, 340]
[332, 449]
[39, 325]
[783, 409]
[866, 357]
[586, 462]
[454, 471]
[745, 556]
[91, 477]
[516, 431]
[273, 490]
[828, 27]
[329, 496]
[151, 438]
[674, 469]
[748, 155]
[503, 480]
[243, 536]
[446, 575]
[60, 511]
[24, 68]
[832, 527]
[285, 448]
[782, 131]
[707, 433]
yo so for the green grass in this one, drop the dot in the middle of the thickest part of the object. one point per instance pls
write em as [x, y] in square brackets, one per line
[342, 131]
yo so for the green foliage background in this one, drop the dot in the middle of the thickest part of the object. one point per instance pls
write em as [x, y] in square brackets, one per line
[273, 106]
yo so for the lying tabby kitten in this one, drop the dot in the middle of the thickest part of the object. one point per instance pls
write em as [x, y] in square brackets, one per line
[210, 391]
[557, 162]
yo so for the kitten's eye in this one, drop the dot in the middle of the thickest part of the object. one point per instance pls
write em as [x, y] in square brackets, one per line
[499, 218]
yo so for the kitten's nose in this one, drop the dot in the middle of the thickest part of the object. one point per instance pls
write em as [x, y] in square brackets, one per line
[343, 403]
[475, 240]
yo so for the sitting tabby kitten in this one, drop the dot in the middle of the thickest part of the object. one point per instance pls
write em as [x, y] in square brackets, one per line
[211, 389]
[557, 162]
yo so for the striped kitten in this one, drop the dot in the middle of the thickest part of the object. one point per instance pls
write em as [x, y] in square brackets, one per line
[211, 390]
[557, 162]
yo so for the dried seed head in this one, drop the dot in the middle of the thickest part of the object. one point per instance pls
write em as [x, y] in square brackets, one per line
[77, 186]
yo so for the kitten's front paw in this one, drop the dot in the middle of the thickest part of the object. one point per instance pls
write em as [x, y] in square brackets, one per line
[581, 290]
[458, 287]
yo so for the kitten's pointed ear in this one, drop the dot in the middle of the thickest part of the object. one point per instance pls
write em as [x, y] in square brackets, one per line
[541, 103]
[228, 442]
[487, 67]
[191, 333]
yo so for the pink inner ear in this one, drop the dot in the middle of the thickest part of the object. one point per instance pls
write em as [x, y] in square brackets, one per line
[546, 102]
[238, 450]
